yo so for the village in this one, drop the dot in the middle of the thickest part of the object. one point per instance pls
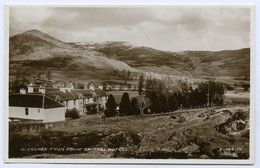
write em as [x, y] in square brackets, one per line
[45, 100]
[49, 103]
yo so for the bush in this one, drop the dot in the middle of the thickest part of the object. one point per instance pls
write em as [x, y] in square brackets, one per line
[72, 113]
[92, 110]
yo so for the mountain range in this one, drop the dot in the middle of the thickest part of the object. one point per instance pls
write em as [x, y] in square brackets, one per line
[195, 63]
[35, 51]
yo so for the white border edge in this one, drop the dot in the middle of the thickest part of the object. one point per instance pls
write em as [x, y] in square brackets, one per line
[249, 161]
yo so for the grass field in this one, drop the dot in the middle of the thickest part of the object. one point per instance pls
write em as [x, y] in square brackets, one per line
[238, 97]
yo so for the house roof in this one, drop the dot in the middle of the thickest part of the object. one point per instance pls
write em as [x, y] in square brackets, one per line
[33, 100]
[100, 92]
[63, 96]
[85, 92]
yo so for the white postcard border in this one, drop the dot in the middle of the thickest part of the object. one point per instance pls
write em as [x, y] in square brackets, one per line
[134, 161]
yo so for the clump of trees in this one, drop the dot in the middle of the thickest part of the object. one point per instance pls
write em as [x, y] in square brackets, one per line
[20, 81]
[163, 102]
[23, 78]
[173, 104]
[155, 85]
[124, 75]
[206, 94]
[157, 98]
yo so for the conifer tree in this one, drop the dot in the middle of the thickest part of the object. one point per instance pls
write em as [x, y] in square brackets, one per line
[111, 106]
[173, 104]
[164, 106]
[141, 84]
[125, 107]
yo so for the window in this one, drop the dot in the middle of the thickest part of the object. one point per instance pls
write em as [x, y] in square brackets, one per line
[26, 111]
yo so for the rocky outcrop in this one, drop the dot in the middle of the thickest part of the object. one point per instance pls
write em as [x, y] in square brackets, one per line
[238, 123]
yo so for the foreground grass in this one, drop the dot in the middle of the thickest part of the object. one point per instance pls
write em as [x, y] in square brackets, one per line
[182, 134]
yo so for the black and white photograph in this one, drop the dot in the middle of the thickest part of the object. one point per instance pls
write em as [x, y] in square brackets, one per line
[130, 83]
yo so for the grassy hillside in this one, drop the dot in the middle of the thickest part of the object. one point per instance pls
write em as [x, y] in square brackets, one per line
[192, 134]
[195, 63]
[34, 51]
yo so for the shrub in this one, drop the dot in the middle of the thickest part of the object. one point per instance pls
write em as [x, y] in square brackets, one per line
[72, 113]
[117, 140]
[92, 110]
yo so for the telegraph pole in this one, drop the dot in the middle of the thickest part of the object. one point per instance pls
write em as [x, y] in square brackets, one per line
[208, 95]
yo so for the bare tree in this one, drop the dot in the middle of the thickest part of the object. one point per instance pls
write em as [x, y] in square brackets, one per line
[143, 103]
[100, 110]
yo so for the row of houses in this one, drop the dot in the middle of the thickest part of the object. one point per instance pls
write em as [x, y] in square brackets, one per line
[108, 87]
[49, 104]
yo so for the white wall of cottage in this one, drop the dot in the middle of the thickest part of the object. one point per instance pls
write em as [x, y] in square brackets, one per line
[46, 115]
[80, 105]
[103, 101]
[30, 89]
[33, 113]
[54, 114]
[91, 100]
[86, 101]
[70, 104]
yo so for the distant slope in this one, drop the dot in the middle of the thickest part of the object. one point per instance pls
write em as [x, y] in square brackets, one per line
[195, 63]
[226, 62]
[37, 51]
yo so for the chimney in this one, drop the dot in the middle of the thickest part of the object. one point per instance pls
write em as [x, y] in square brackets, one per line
[63, 89]
[30, 89]
[91, 87]
[71, 86]
[100, 87]
[23, 91]
[42, 90]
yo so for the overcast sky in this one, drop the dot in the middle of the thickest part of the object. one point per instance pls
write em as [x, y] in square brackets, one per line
[165, 28]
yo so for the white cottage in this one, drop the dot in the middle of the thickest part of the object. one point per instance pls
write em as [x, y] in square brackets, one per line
[85, 97]
[35, 107]
[64, 97]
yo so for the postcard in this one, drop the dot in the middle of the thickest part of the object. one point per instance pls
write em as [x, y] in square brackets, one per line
[142, 84]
